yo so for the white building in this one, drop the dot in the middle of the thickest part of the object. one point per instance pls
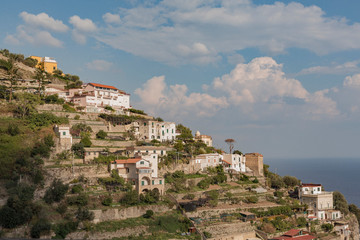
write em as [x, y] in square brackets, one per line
[207, 160]
[320, 203]
[234, 162]
[204, 138]
[154, 130]
[64, 137]
[142, 172]
[143, 150]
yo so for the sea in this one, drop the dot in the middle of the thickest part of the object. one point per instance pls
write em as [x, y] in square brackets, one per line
[335, 174]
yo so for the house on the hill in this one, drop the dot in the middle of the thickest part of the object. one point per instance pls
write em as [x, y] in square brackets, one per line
[47, 64]
[143, 150]
[148, 130]
[204, 138]
[141, 172]
[295, 234]
[203, 161]
[64, 137]
[234, 162]
[319, 202]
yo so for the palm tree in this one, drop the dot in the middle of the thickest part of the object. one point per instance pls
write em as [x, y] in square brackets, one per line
[12, 71]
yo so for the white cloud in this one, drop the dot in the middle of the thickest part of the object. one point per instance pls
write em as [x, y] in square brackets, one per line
[258, 81]
[345, 68]
[112, 18]
[43, 20]
[11, 39]
[173, 101]
[83, 25]
[352, 81]
[34, 37]
[164, 31]
[99, 65]
[235, 59]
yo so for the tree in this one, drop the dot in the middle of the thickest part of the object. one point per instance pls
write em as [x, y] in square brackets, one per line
[340, 202]
[13, 73]
[237, 152]
[291, 181]
[230, 142]
[101, 134]
[56, 192]
[41, 226]
[185, 133]
[40, 77]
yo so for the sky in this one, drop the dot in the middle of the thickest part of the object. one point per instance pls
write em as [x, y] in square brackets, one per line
[281, 78]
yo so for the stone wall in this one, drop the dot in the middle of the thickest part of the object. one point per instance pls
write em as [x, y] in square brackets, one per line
[130, 212]
[187, 168]
[105, 143]
[66, 174]
[235, 231]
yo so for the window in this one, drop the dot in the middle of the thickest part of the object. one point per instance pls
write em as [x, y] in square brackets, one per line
[318, 189]
[167, 130]
[163, 133]
[152, 124]
[160, 181]
[144, 123]
[142, 162]
[142, 183]
[154, 151]
[127, 170]
[162, 152]
[64, 133]
[153, 182]
[172, 130]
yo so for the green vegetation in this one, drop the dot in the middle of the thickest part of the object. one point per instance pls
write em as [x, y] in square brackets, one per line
[119, 119]
[54, 99]
[56, 192]
[327, 227]
[137, 111]
[282, 210]
[101, 134]
[340, 203]
[41, 226]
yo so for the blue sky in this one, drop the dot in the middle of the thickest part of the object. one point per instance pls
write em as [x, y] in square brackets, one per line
[280, 77]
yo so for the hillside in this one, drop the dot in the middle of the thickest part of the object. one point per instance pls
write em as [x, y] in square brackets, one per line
[69, 173]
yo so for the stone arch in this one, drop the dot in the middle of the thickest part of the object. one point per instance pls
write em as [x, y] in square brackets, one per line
[145, 181]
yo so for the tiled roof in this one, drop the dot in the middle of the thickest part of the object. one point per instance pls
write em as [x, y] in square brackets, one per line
[226, 162]
[103, 86]
[310, 185]
[294, 234]
[130, 160]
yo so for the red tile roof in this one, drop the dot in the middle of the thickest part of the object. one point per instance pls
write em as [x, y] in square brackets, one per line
[310, 185]
[294, 234]
[226, 161]
[101, 85]
[130, 160]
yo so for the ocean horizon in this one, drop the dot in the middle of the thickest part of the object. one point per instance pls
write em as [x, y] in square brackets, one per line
[335, 174]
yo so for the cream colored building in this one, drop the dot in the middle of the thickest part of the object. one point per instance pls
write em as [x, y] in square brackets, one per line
[148, 130]
[234, 162]
[142, 172]
[320, 203]
[204, 138]
[255, 161]
[203, 161]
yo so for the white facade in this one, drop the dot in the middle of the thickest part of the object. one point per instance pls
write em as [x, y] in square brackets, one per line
[155, 130]
[235, 162]
[208, 160]
[107, 96]
[320, 203]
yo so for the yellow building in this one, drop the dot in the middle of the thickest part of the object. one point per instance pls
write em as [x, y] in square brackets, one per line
[47, 64]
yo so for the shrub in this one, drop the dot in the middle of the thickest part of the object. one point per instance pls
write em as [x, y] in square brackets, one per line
[109, 108]
[63, 229]
[77, 117]
[62, 208]
[38, 120]
[30, 62]
[54, 99]
[291, 181]
[148, 214]
[204, 183]
[255, 180]
[101, 134]
[301, 222]
[252, 199]
[86, 141]
[327, 227]
[130, 198]
[340, 202]
[107, 201]
[42, 226]
[84, 214]
[68, 108]
[13, 130]
[189, 196]
[278, 194]
[77, 189]
[78, 149]
[56, 192]
[80, 200]
[207, 234]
